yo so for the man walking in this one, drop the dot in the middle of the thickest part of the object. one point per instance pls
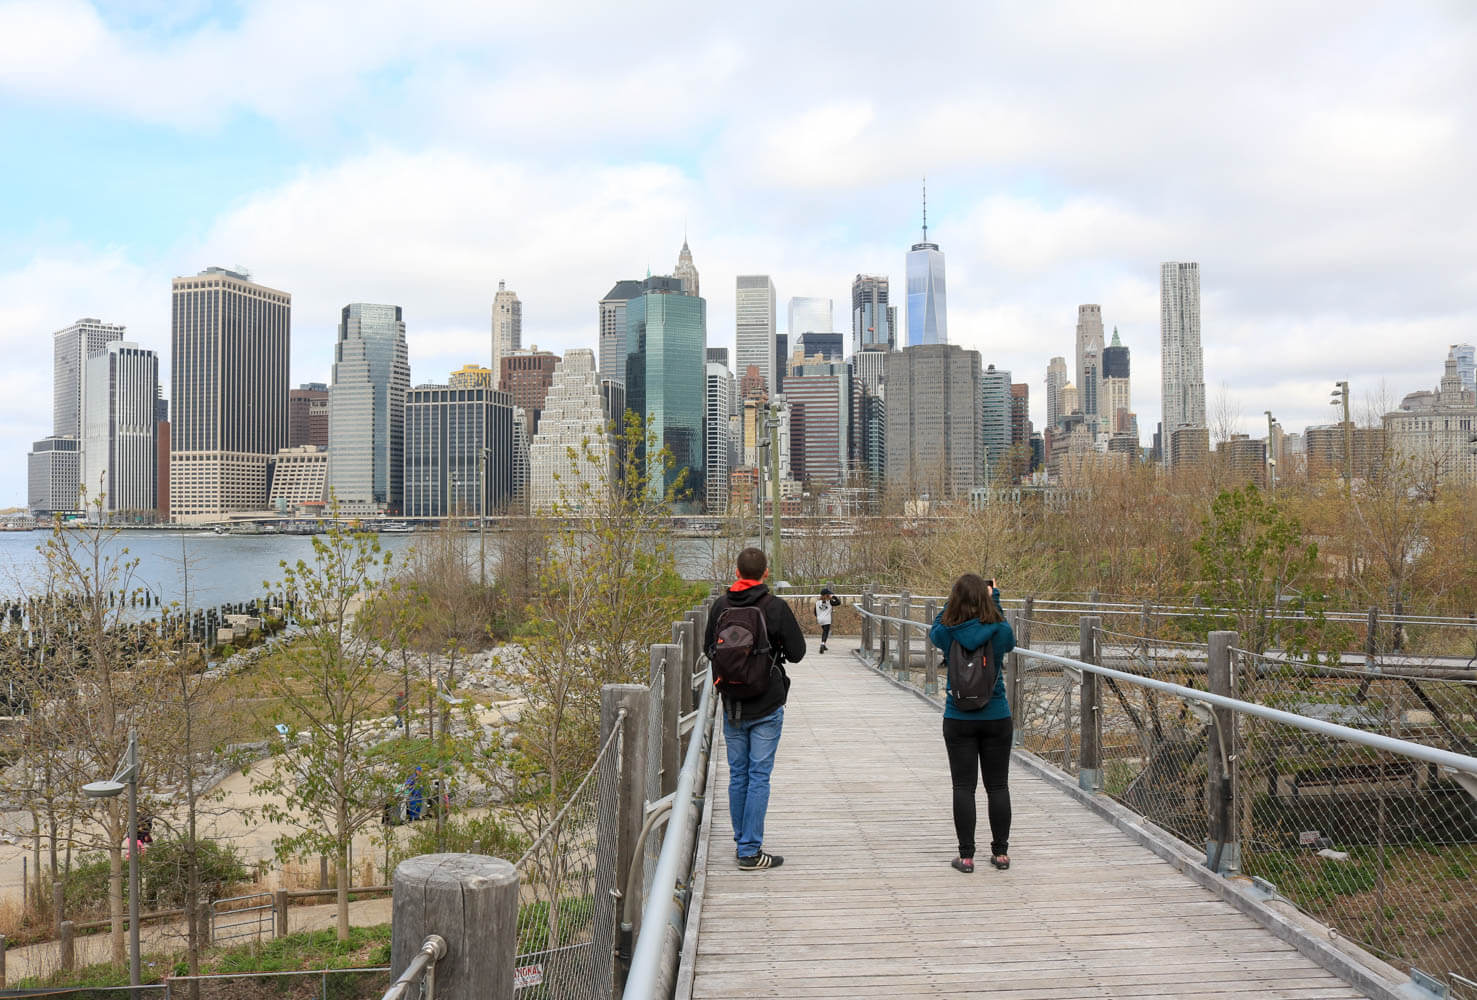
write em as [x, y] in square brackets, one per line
[750, 636]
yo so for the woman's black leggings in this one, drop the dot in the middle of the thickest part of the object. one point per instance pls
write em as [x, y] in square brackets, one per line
[975, 746]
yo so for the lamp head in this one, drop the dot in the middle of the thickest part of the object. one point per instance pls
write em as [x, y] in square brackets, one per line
[102, 789]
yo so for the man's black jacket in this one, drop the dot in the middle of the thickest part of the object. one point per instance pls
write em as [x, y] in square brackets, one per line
[785, 639]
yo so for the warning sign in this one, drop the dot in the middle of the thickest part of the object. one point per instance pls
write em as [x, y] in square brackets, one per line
[525, 976]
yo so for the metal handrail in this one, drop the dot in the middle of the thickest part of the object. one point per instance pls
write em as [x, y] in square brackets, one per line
[432, 951]
[663, 907]
[1405, 748]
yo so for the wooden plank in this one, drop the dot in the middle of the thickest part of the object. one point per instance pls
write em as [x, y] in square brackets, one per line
[866, 904]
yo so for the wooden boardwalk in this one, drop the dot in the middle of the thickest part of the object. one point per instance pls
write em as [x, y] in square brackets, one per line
[866, 904]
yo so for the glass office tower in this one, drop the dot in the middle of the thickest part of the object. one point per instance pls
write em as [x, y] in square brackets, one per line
[366, 407]
[666, 337]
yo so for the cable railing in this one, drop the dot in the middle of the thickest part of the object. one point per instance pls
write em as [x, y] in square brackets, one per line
[1350, 792]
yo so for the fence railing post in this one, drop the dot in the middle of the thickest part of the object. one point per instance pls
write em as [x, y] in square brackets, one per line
[471, 901]
[279, 911]
[867, 622]
[1223, 849]
[884, 630]
[930, 661]
[667, 659]
[67, 955]
[904, 636]
[2, 961]
[1371, 637]
[58, 904]
[615, 843]
[1017, 695]
[1013, 678]
[1090, 773]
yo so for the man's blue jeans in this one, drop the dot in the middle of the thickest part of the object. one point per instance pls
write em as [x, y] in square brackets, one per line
[751, 746]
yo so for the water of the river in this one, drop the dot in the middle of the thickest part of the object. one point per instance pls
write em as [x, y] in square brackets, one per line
[232, 568]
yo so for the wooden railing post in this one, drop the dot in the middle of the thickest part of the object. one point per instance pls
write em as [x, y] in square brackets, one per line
[884, 630]
[666, 660]
[469, 900]
[1013, 677]
[904, 635]
[930, 660]
[1371, 638]
[279, 908]
[867, 622]
[1223, 850]
[2, 961]
[67, 955]
[615, 844]
[1090, 773]
[1018, 695]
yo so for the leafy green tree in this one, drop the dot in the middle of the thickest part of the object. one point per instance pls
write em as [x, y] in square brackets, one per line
[322, 781]
[1255, 561]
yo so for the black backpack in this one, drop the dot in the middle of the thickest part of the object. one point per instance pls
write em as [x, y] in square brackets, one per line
[741, 654]
[972, 676]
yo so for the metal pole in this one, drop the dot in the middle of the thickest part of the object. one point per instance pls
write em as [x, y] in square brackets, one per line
[133, 962]
[774, 485]
[1271, 459]
[482, 517]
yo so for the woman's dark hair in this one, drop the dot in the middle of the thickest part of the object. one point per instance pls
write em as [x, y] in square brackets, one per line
[971, 599]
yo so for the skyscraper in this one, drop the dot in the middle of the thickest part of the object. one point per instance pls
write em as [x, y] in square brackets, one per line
[507, 324]
[809, 314]
[720, 403]
[575, 418]
[995, 415]
[1466, 364]
[71, 347]
[119, 456]
[686, 271]
[666, 333]
[366, 408]
[449, 433]
[754, 332]
[935, 443]
[873, 321]
[526, 376]
[1056, 381]
[1117, 399]
[927, 301]
[472, 377]
[1090, 361]
[1182, 373]
[230, 341]
[820, 400]
[827, 346]
[613, 329]
[307, 415]
[53, 471]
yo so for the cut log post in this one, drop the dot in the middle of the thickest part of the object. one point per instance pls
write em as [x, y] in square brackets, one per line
[469, 900]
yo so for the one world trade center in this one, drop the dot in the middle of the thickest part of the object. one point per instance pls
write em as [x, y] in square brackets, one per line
[927, 301]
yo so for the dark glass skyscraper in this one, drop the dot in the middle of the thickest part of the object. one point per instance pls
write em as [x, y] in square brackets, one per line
[873, 321]
[666, 335]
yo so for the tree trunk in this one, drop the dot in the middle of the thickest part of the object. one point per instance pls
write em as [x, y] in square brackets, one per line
[341, 862]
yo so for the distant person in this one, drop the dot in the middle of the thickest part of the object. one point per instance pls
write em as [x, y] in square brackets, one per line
[974, 635]
[750, 636]
[823, 606]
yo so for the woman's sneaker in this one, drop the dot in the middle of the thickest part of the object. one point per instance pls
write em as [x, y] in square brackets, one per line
[755, 862]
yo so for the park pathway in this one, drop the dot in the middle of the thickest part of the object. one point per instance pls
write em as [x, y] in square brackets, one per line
[866, 904]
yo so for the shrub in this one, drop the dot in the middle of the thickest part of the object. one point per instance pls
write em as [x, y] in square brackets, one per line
[163, 880]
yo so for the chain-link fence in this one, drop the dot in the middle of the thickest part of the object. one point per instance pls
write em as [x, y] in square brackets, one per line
[560, 880]
[1377, 845]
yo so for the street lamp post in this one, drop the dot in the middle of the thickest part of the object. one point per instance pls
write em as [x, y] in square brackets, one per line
[126, 778]
[761, 449]
[1341, 394]
[1271, 458]
[482, 516]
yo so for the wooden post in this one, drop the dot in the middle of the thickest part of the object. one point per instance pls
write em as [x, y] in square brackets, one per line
[469, 900]
[698, 626]
[1223, 849]
[666, 660]
[279, 907]
[58, 904]
[1090, 774]
[323, 871]
[624, 798]
[2, 961]
[1371, 638]
[1018, 695]
[884, 629]
[205, 922]
[930, 660]
[904, 636]
[683, 692]
[67, 954]
[867, 622]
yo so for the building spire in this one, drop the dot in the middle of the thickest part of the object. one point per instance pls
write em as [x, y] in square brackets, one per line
[925, 210]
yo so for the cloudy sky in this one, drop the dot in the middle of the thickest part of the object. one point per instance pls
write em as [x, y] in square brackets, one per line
[1316, 158]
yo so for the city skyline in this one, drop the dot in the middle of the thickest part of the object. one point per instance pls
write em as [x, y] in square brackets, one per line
[1323, 221]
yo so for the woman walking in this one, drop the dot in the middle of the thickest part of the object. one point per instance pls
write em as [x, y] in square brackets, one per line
[977, 738]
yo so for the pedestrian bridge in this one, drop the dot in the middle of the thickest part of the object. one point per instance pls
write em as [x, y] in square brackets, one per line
[866, 904]
[1190, 820]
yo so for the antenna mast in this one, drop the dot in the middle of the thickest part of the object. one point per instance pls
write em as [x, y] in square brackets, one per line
[925, 210]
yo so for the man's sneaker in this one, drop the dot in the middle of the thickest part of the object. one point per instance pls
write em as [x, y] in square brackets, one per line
[754, 862]
[823, 647]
